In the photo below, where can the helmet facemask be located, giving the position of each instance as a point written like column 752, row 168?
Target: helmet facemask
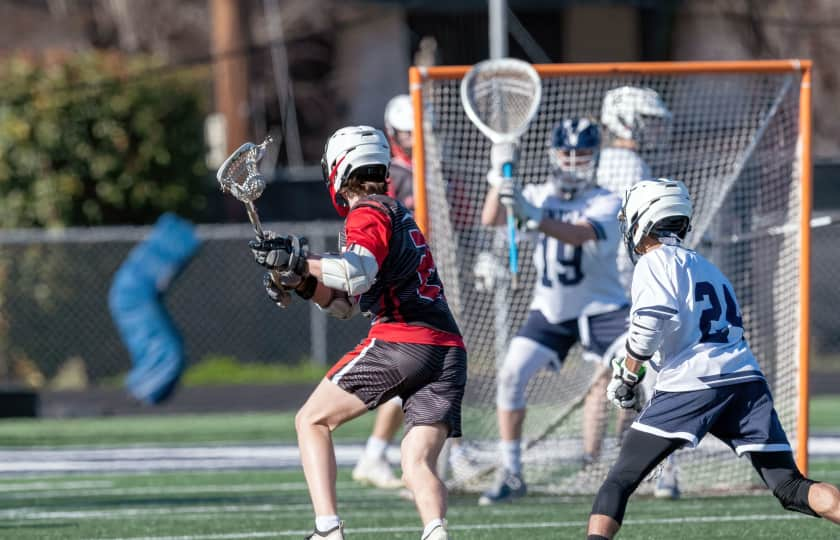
column 572, row 171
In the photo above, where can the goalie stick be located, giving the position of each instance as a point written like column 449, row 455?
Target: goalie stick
column 501, row 97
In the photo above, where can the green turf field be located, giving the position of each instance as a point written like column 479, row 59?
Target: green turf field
column 228, row 505
column 240, row 505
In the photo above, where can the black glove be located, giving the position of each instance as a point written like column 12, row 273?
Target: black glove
column 279, row 294
column 283, row 253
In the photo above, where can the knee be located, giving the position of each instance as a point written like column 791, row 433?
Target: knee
column 793, row 494
column 510, row 389
column 306, row 418
column 824, row 499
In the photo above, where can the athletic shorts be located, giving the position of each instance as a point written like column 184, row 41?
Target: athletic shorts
column 602, row 331
column 430, row 379
column 741, row 415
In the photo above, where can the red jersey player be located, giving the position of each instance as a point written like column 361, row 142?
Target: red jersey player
column 414, row 348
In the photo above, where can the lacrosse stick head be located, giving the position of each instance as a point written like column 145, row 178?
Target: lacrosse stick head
column 239, row 174
column 501, row 96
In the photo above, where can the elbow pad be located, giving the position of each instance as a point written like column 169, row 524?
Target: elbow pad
column 353, row 272
column 645, row 335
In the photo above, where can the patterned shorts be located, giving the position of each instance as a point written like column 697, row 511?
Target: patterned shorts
column 430, row 379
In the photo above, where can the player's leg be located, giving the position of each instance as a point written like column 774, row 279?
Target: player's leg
column 751, row 426
column 538, row 344
column 435, row 378
column 420, row 449
column 795, row 492
column 327, row 408
column 373, row 467
column 602, row 336
column 639, row 454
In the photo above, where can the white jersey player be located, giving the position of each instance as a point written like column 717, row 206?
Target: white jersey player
column 634, row 119
column 577, row 295
column 709, row 381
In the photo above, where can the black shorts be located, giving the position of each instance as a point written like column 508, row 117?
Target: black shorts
column 430, row 379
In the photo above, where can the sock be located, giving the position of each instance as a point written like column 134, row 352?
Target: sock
column 326, row 523
column 430, row 526
column 511, row 455
column 375, row 448
column 596, row 537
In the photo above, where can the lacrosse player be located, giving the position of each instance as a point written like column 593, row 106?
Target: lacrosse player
column 373, row 467
column 634, row 120
column 708, row 380
column 414, row 349
column 577, row 295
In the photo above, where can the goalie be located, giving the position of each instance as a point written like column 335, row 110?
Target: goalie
column 578, row 296
column 414, row 349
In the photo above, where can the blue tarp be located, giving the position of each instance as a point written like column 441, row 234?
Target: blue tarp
column 136, row 303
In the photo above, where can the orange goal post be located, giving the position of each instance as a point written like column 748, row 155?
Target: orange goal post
column 740, row 138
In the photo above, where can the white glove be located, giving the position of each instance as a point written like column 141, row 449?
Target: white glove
column 500, row 154
column 487, row 271
column 511, row 196
column 622, row 390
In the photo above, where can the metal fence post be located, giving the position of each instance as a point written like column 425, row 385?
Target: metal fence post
column 317, row 318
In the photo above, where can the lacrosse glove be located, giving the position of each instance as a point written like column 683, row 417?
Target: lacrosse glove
column 282, row 253
column 622, row 390
column 511, row 197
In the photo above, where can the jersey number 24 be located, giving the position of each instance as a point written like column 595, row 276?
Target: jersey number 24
column 705, row 290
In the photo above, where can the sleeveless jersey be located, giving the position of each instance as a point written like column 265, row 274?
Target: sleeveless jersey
column 577, row 280
column 704, row 344
column 406, row 302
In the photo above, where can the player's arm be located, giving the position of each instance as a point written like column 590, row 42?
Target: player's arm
column 492, row 213
column 575, row 234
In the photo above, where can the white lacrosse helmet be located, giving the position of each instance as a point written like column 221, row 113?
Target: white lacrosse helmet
column 630, row 112
column 399, row 114
column 362, row 149
column 659, row 207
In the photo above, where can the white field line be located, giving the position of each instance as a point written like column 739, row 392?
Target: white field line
column 144, row 459
column 168, row 490
column 477, row 527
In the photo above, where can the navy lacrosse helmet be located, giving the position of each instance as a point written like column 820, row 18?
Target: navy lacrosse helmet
column 575, row 145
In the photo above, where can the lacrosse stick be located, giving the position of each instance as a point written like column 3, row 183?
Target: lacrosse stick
column 240, row 177
column 501, row 97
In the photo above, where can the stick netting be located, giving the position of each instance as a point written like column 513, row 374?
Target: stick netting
column 734, row 143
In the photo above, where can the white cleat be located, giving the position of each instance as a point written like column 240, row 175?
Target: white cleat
column 377, row 473
column 438, row 533
column 336, row 533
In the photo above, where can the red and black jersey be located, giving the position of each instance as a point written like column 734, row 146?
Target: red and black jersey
column 406, row 303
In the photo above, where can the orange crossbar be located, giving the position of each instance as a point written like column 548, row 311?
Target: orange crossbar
column 417, row 75
column 677, row 68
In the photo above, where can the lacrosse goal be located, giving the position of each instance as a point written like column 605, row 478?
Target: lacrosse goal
column 740, row 140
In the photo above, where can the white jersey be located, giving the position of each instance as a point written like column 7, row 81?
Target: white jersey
column 577, row 280
column 618, row 170
column 703, row 337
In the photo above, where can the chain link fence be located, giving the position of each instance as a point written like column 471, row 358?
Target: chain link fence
column 54, row 302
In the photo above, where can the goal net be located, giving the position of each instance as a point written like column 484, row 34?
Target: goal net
column 736, row 141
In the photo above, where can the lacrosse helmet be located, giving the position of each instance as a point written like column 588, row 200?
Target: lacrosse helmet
column 399, row 125
column 351, row 150
column 661, row 208
column 573, row 155
column 639, row 114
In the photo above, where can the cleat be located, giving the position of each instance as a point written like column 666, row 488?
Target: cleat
column 667, row 484
column 377, row 473
column 336, row 533
column 507, row 487
column 438, row 533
